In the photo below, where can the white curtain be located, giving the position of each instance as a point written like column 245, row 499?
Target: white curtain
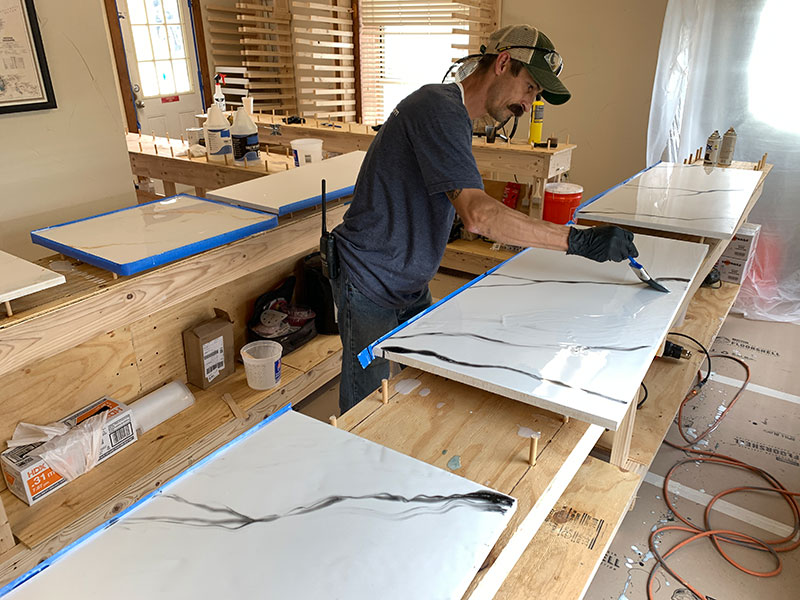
column 726, row 63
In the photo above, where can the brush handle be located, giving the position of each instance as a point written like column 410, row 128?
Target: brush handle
column 634, row 263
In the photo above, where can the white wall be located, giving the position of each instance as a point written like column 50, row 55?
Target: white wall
column 70, row 162
column 610, row 50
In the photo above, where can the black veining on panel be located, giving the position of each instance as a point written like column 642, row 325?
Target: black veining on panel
column 516, row 345
column 689, row 191
column 655, row 216
column 529, row 281
column 431, row 353
column 225, row 517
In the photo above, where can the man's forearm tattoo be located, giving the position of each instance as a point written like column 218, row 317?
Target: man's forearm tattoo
column 453, row 194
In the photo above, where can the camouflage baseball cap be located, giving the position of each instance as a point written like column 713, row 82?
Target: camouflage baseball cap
column 535, row 50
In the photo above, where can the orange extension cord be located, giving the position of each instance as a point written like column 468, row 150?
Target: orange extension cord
column 719, row 536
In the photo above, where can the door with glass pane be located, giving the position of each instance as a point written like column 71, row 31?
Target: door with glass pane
column 161, row 64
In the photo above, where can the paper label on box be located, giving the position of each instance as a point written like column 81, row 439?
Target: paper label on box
column 119, row 435
column 213, row 358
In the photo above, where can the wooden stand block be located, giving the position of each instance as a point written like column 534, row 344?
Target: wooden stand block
column 9, row 312
column 534, row 449
column 621, row 446
column 235, row 408
column 6, row 537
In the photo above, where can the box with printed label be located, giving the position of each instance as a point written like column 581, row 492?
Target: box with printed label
column 29, row 477
column 208, row 348
column 744, row 241
column 733, row 270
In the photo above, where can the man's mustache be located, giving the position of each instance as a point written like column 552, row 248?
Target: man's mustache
column 516, row 109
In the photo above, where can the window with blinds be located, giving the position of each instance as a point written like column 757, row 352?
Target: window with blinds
column 405, row 44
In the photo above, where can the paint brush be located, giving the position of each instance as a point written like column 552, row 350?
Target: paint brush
column 645, row 277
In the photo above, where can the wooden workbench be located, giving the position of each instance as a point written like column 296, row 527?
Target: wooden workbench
column 162, row 158
column 573, row 502
column 165, row 159
column 93, row 336
column 499, row 161
column 585, row 518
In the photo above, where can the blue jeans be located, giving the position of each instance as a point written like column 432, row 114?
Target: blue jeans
column 361, row 322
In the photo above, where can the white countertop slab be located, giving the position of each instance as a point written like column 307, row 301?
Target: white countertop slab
column 18, row 277
column 298, row 509
column 560, row 332
column 140, row 237
column 297, row 188
column 690, row 199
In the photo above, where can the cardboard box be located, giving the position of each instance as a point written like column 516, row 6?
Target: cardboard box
column 733, row 270
column 743, row 243
column 29, row 478
column 208, row 348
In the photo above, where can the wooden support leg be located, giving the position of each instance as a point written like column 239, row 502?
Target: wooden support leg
column 540, row 192
column 332, row 420
column 535, row 187
column 621, row 446
column 169, row 188
column 394, row 368
column 6, row 537
column 201, row 192
column 9, row 312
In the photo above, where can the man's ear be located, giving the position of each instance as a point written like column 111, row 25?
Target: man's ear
column 502, row 63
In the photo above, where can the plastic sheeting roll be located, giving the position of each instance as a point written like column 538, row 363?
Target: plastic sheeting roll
column 156, row 407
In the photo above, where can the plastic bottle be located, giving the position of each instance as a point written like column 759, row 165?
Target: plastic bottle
column 712, row 149
column 244, row 138
column 219, row 97
column 537, row 121
column 218, row 135
column 728, row 145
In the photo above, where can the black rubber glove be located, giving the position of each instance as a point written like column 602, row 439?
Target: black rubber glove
column 607, row 242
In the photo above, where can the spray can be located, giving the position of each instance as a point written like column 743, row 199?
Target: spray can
column 244, row 138
column 537, row 121
column 712, row 149
column 218, row 135
column 219, row 97
column 726, row 150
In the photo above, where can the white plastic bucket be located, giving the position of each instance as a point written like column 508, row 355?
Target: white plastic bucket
column 262, row 364
column 306, row 150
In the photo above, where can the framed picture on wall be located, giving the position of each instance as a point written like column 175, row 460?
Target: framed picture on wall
column 24, row 78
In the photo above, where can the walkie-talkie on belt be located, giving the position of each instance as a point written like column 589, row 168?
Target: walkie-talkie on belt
column 327, row 245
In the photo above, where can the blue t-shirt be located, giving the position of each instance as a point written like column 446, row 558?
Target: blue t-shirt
column 394, row 234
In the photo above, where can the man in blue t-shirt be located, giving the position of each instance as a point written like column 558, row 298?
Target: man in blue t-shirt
column 420, row 171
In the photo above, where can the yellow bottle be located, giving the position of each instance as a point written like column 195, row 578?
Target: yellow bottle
column 537, row 122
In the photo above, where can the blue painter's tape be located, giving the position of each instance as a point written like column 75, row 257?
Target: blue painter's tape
column 366, row 356
column 157, row 259
column 46, row 563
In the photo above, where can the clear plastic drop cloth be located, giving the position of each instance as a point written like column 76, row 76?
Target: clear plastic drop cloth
column 733, row 63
